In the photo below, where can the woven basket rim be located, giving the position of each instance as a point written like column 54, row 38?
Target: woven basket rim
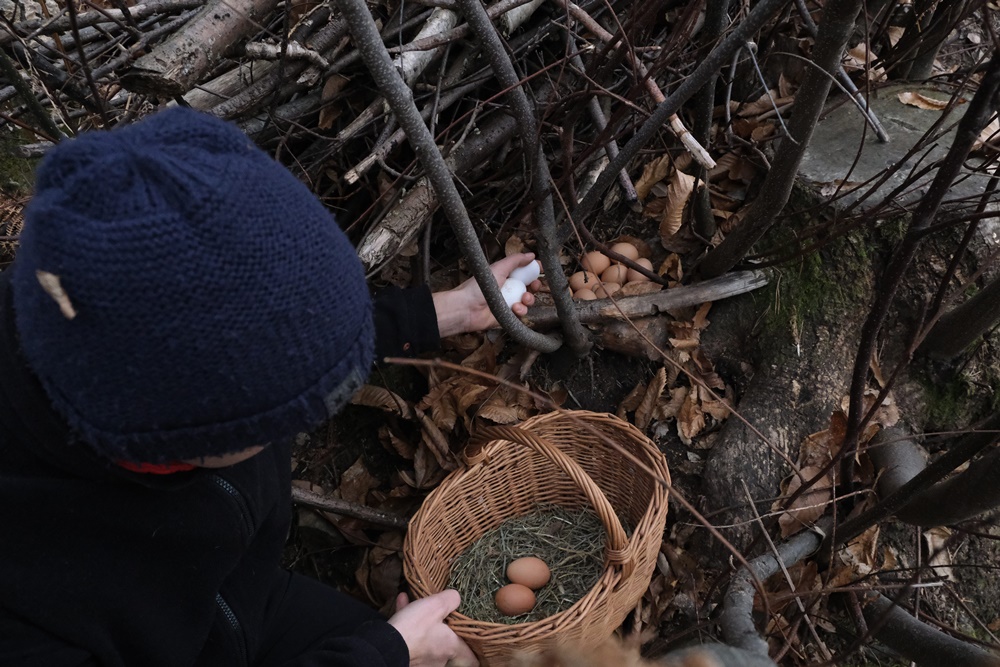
column 611, row 574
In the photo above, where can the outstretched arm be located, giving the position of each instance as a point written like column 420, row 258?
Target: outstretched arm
column 464, row 308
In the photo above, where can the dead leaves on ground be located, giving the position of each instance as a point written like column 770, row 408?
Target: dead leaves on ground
column 816, row 453
column 694, row 399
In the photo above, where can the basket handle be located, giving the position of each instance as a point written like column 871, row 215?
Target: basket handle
column 618, row 550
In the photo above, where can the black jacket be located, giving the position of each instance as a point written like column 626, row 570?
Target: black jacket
column 99, row 565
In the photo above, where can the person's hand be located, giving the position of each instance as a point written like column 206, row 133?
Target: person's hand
column 464, row 308
column 431, row 642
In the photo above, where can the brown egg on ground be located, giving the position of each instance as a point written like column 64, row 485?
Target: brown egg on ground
column 634, row 276
column 605, row 290
column 529, row 571
column 626, row 249
column 595, row 262
column 514, row 600
column 584, row 295
column 582, row 280
column 616, row 273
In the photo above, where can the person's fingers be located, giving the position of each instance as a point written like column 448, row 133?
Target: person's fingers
column 502, row 268
column 441, row 604
column 535, row 286
column 401, row 601
column 519, row 309
column 528, row 299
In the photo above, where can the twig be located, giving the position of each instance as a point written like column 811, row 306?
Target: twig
column 838, row 25
column 48, row 130
column 788, row 577
column 736, row 620
column 88, row 73
column 755, row 19
column 399, row 97
column 36, row 27
column 176, row 65
column 292, row 50
column 601, row 123
column 697, row 151
column 347, row 508
column 576, row 336
column 845, row 80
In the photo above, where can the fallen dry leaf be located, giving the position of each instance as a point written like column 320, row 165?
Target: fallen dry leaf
column 690, row 419
column 383, row 399
column 921, row 101
column 652, row 173
column 329, row 112
column 356, row 482
column 678, row 192
column 988, row 137
column 938, row 557
column 808, row 507
column 632, row 401
column 860, row 58
column 671, row 268
column 637, row 288
column 644, row 413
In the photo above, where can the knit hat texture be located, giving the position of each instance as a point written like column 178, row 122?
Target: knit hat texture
column 218, row 304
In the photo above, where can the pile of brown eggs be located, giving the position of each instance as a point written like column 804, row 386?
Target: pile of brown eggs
column 602, row 278
column 526, row 575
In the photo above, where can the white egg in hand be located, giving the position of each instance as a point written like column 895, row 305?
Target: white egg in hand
column 512, row 291
column 526, row 274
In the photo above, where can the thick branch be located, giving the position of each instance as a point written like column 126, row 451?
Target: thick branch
column 548, row 248
column 400, row 98
column 347, row 508
column 645, row 305
column 961, row 326
column 175, row 66
column 962, row 451
column 964, row 496
column 35, row 27
column 981, row 109
column 736, row 620
column 919, row 642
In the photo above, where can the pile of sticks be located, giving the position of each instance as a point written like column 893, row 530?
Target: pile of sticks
column 528, row 120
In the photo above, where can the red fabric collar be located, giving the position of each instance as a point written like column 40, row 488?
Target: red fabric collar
column 156, row 468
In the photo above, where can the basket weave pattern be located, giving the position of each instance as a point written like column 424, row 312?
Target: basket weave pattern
column 512, row 476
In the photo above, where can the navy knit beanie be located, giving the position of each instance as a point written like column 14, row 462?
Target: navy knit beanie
column 218, row 304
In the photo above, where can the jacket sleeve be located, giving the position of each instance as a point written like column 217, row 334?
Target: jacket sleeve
column 25, row 645
column 373, row 644
column 405, row 322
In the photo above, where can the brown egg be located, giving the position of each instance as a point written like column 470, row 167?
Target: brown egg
column 605, row 290
column 584, row 295
column 581, row 280
column 514, row 600
column 626, row 249
column 636, row 277
column 529, row 571
column 615, row 273
column 595, row 262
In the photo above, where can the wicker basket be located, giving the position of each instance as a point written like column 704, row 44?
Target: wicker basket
column 560, row 458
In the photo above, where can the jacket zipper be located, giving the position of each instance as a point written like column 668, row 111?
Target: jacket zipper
column 241, row 640
column 241, row 503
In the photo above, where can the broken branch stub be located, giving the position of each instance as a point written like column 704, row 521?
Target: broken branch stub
column 174, row 67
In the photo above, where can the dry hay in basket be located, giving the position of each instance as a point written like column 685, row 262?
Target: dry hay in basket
column 570, row 542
